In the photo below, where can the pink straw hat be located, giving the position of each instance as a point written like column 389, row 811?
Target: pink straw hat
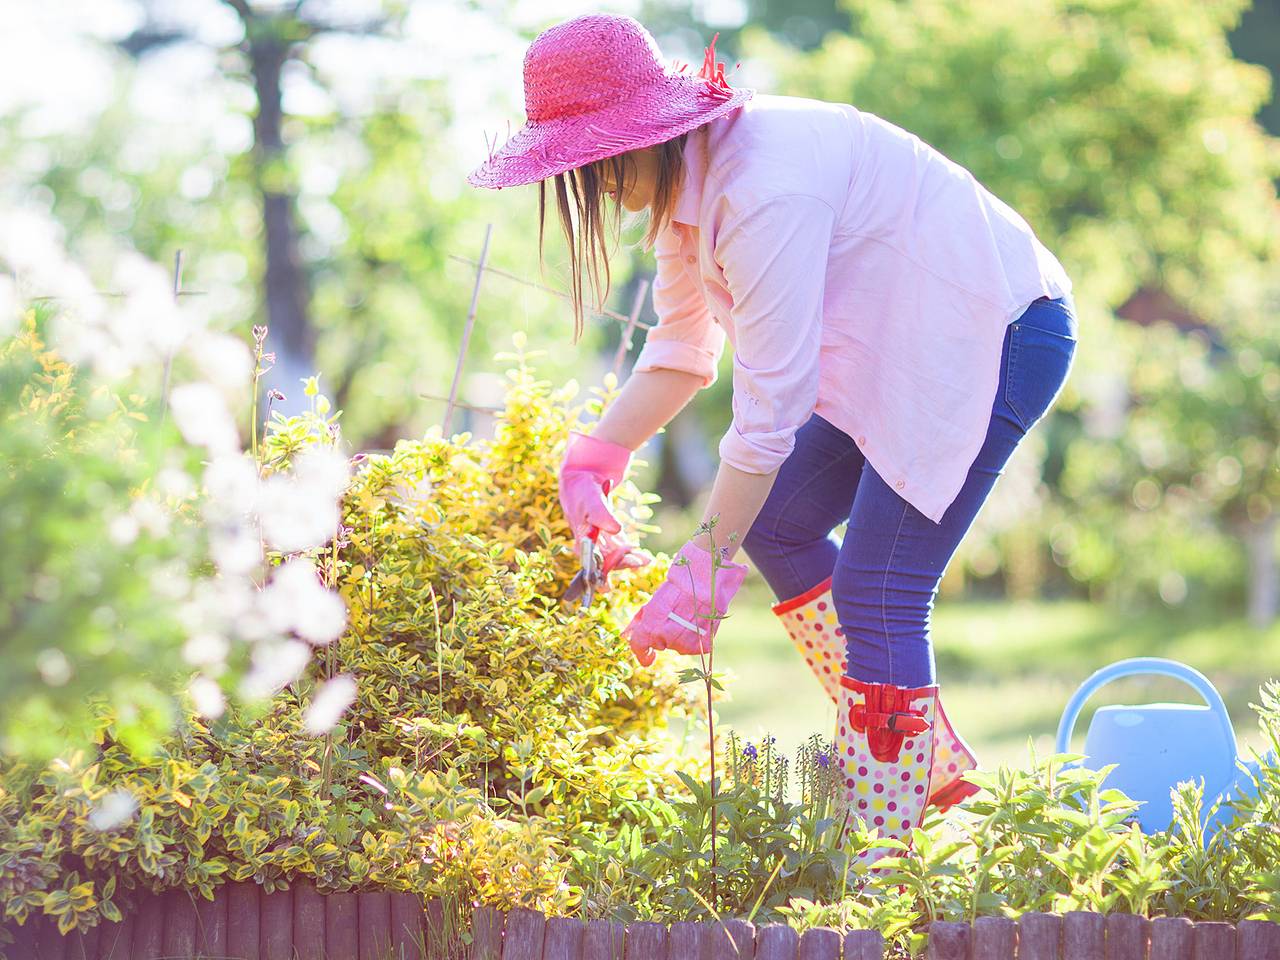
column 595, row 87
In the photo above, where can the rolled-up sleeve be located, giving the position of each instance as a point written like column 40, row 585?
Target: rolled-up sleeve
column 686, row 336
column 774, row 258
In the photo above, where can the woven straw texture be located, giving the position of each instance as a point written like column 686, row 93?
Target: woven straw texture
column 594, row 87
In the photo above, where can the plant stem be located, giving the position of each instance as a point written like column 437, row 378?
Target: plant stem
column 708, row 681
column 711, row 736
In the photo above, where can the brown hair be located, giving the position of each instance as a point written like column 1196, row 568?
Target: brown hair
column 580, row 199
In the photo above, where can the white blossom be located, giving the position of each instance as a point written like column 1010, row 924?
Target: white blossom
column 122, row 529
column 275, row 665
column 10, row 307
column 223, row 359
column 114, row 810
column 202, row 416
column 175, row 482
column 54, row 667
column 231, row 482
column 236, row 550
column 207, row 698
column 296, row 600
column 206, row 648
column 151, row 516
column 146, row 318
column 297, row 512
column 329, row 703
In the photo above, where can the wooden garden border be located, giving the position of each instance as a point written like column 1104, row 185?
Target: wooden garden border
column 244, row 923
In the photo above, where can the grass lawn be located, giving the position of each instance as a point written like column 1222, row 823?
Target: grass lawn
column 1005, row 670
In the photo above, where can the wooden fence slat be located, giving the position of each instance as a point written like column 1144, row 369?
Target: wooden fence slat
column 211, row 924
column 486, row 933
column 83, row 944
column 1038, row 936
column 180, row 925
column 645, row 941
column 275, row 937
column 342, row 926
column 864, row 945
column 443, row 931
column 50, row 944
column 684, row 940
column 1084, row 935
column 948, row 940
column 116, row 942
column 818, row 943
column 777, row 941
column 307, row 921
column 1257, row 940
column 524, row 936
column 993, row 938
column 24, row 938
column 408, row 927
column 24, row 941
column 242, row 921
column 1126, row 937
column 603, row 940
column 148, row 933
column 374, row 908
column 1213, row 941
column 1171, row 938
column 563, row 940
column 733, row 940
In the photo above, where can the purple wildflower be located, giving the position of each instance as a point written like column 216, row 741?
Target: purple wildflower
column 749, row 751
column 824, row 760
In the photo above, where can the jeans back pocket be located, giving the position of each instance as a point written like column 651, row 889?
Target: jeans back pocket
column 1042, row 344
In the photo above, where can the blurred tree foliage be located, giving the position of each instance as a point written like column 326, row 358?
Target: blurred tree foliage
column 378, row 206
column 1122, row 130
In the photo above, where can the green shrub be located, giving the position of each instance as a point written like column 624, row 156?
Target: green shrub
column 492, row 727
column 88, row 534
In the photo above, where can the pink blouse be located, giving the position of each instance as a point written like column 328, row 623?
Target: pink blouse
column 858, row 273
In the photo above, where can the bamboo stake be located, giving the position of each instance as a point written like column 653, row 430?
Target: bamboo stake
column 624, row 345
column 474, row 408
column 168, row 357
column 603, row 312
column 466, row 332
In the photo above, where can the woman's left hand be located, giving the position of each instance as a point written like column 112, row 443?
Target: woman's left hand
column 679, row 616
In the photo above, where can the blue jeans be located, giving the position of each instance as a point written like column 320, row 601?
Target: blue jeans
column 886, row 571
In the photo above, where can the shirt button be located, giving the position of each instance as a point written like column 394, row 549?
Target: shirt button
column 691, row 259
column 862, row 441
column 900, row 484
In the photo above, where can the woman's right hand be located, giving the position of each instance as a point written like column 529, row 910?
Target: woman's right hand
column 591, row 468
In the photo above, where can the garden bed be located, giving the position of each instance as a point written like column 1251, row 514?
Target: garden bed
column 243, row 922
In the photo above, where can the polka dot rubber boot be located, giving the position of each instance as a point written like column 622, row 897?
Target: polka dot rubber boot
column 810, row 621
column 885, row 750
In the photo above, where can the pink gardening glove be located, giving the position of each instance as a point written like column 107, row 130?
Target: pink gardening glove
column 686, row 593
column 591, row 469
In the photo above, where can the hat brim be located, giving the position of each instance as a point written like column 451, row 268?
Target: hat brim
column 677, row 104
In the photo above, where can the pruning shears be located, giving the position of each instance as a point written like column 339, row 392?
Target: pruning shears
column 591, row 573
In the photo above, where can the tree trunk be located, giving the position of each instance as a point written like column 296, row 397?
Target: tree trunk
column 292, row 337
column 1264, row 582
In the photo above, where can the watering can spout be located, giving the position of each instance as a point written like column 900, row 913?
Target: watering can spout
column 1155, row 746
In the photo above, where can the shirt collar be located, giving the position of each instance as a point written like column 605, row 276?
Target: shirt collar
column 689, row 202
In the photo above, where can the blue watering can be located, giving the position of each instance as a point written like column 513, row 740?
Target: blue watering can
column 1156, row 745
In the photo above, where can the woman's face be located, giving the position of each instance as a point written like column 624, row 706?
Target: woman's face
column 641, row 178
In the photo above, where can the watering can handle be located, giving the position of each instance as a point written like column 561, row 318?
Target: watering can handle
column 1135, row 666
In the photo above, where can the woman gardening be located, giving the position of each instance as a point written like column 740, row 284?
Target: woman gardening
column 896, row 331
